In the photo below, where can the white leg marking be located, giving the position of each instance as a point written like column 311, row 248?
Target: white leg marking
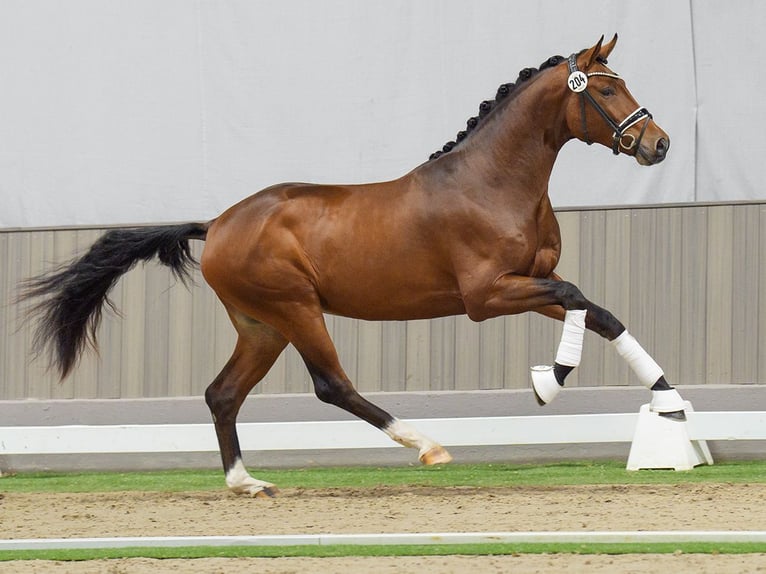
column 429, row 451
column 240, row 481
column 647, row 370
column 406, row 435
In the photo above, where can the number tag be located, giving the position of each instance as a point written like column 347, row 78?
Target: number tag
column 577, row 81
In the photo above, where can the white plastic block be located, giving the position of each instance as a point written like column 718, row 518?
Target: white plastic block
column 663, row 443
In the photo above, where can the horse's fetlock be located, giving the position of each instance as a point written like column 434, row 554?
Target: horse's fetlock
column 661, row 385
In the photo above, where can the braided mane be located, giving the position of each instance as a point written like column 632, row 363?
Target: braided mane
column 504, row 92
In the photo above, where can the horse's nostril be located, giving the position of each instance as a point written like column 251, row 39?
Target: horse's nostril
column 662, row 146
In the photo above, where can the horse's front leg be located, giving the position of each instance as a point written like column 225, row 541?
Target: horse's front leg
column 563, row 300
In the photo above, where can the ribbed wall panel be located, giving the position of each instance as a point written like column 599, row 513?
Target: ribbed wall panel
column 688, row 281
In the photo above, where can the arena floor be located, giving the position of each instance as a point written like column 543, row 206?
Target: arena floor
column 394, row 509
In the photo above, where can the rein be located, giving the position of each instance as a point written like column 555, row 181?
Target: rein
column 578, row 83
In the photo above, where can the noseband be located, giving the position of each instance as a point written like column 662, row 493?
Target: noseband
column 578, row 83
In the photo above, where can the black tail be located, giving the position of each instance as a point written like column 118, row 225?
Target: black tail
column 72, row 296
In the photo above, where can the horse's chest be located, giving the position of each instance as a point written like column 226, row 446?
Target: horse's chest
column 531, row 250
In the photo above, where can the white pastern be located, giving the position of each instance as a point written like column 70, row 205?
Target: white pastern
column 239, row 480
column 429, row 451
column 408, row 436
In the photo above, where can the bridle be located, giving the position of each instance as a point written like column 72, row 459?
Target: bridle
column 578, row 83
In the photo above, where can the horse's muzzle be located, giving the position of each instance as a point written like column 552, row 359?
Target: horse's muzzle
column 661, row 149
column 653, row 153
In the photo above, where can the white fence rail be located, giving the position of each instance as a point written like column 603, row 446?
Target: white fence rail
column 320, row 435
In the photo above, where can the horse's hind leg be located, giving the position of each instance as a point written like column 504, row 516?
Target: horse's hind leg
column 258, row 346
column 310, row 337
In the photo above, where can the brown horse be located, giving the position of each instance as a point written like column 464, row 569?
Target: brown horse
column 471, row 231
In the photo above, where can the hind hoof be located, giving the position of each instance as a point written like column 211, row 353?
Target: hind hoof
column 267, row 492
column 436, row 455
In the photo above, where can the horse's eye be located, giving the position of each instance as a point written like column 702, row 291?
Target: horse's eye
column 607, row 91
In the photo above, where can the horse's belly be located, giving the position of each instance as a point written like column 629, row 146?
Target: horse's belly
column 389, row 301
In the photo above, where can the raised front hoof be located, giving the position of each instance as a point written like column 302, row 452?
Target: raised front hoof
column 435, row 455
column 668, row 403
column 674, row 416
column 544, row 384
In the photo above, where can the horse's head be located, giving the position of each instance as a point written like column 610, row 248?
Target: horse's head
column 601, row 109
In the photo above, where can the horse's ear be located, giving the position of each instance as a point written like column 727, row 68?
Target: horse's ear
column 607, row 49
column 592, row 53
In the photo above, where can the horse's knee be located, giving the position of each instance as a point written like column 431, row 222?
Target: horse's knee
column 598, row 319
column 570, row 296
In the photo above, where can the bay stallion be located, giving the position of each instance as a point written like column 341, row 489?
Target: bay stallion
column 470, row 231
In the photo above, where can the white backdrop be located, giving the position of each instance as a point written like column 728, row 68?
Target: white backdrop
column 152, row 111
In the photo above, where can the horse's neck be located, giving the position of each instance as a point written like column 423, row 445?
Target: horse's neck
column 514, row 152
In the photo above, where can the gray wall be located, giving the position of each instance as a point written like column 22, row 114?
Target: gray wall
column 119, row 112
column 689, row 281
